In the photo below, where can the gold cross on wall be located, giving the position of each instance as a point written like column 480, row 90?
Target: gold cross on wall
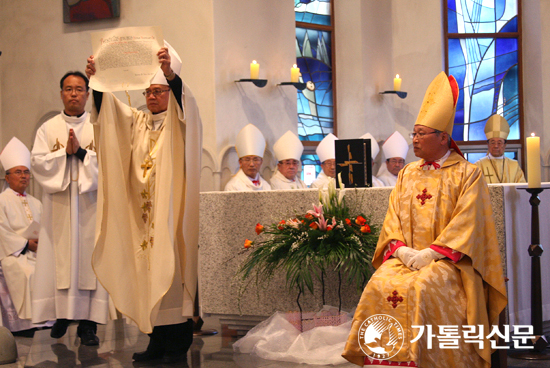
column 349, row 164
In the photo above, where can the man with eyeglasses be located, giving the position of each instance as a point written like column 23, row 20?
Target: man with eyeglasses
column 148, row 208
column 250, row 146
column 437, row 257
column 288, row 151
column 64, row 162
column 495, row 166
column 327, row 155
column 19, row 220
column 395, row 150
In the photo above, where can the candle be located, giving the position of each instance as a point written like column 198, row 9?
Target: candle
column 533, row 161
column 294, row 74
column 254, row 70
column 397, row 83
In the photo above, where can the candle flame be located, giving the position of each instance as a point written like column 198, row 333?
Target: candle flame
column 532, row 134
column 254, row 62
column 295, row 66
column 397, row 76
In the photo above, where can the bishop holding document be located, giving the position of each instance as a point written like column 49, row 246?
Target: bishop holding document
column 148, row 203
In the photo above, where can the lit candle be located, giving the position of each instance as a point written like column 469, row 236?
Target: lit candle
column 533, row 161
column 294, row 74
column 397, row 83
column 254, row 70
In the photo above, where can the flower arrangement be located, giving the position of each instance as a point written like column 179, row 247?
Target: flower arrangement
column 331, row 236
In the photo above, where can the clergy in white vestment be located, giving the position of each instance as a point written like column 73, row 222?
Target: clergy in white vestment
column 64, row 162
column 395, row 150
column 148, row 207
column 288, row 150
column 19, row 224
column 250, row 146
column 374, row 150
column 327, row 155
column 495, row 166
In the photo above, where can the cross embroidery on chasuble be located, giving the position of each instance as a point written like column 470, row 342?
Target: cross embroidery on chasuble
column 147, row 195
column 424, row 196
column 394, row 298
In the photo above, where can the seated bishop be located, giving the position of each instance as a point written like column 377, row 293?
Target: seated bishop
column 250, row 147
column 495, row 166
column 395, row 150
column 437, row 258
column 19, row 224
column 288, row 150
column 327, row 155
column 374, row 150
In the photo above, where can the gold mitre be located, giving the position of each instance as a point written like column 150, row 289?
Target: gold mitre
column 439, row 105
column 497, row 127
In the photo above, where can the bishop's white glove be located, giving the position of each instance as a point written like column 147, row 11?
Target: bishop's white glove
column 423, row 258
column 405, row 254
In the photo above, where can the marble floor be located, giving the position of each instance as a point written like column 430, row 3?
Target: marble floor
column 120, row 341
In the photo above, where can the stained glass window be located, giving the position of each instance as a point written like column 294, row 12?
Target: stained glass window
column 485, row 64
column 314, row 46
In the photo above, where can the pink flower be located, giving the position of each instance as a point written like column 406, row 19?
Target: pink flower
column 317, row 211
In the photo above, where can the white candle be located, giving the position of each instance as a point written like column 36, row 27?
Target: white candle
column 254, row 70
column 533, row 161
column 397, row 83
column 294, row 74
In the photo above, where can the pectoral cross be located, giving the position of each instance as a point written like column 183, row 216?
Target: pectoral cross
column 488, row 175
column 349, row 164
column 57, row 146
column 146, row 166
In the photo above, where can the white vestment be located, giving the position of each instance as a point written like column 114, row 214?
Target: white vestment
column 242, row 183
column 17, row 213
column 279, row 181
column 146, row 251
column 65, row 285
column 322, row 181
column 387, row 179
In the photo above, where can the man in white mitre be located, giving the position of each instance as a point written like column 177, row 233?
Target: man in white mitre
column 64, row 162
column 288, row 151
column 250, row 146
column 327, row 155
column 374, row 150
column 395, row 150
column 19, row 224
column 148, row 208
column 495, row 166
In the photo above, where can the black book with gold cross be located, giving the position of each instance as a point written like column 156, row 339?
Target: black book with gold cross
column 353, row 161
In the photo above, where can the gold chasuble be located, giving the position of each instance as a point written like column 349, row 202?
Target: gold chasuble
column 502, row 170
column 147, row 215
column 448, row 207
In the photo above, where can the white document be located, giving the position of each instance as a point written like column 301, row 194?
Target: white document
column 31, row 232
column 125, row 58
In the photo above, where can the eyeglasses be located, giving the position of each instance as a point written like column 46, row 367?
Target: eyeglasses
column 255, row 160
column 156, row 92
column 19, row 172
column 290, row 163
column 77, row 90
column 420, row 135
column 497, row 143
column 396, row 161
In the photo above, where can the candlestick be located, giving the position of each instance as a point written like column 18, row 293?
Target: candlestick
column 397, row 83
column 254, row 70
column 533, row 161
column 294, row 74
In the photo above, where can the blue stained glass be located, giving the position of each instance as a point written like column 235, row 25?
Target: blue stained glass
column 312, row 11
column 486, row 70
column 315, row 106
column 478, row 16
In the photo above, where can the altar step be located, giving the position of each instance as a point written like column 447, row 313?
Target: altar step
column 237, row 326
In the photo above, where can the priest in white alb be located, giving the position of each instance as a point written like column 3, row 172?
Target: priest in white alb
column 374, row 150
column 64, row 163
column 288, row 151
column 327, row 156
column 496, row 167
column 19, row 224
column 395, row 150
column 148, row 207
column 250, row 146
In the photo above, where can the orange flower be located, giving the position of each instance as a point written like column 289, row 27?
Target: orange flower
column 309, row 216
column 360, row 220
column 348, row 222
column 281, row 227
column 259, row 229
column 314, row 226
column 365, row 229
column 248, row 243
column 329, row 228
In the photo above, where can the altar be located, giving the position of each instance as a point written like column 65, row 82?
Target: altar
column 228, row 218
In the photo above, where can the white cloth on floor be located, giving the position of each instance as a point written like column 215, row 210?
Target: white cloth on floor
column 277, row 339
